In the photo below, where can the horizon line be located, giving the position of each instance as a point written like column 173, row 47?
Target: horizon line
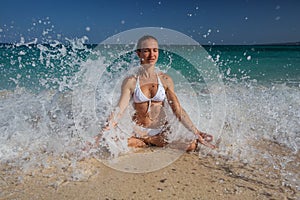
column 259, row 44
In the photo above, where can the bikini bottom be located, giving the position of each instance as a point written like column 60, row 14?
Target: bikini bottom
column 147, row 132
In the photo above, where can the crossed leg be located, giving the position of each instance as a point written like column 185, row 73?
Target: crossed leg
column 160, row 141
column 136, row 142
column 140, row 142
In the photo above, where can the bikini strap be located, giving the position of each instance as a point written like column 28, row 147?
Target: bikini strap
column 137, row 85
column 149, row 106
column 159, row 81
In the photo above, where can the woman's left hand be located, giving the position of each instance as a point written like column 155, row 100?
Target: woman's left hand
column 205, row 139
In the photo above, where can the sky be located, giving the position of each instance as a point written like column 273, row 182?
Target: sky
column 206, row 21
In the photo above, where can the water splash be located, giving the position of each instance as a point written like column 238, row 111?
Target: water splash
column 38, row 82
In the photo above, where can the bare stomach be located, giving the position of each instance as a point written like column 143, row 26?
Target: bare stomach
column 154, row 118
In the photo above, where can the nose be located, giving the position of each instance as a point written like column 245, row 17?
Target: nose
column 152, row 52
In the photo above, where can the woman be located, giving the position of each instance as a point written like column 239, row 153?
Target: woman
column 149, row 91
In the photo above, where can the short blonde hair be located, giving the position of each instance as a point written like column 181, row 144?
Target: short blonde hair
column 142, row 39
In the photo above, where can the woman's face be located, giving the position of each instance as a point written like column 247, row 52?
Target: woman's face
column 148, row 52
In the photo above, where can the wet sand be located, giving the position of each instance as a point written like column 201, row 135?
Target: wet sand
column 189, row 177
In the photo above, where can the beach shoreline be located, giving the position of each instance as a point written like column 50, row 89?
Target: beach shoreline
column 189, row 177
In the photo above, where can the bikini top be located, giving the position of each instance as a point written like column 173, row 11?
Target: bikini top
column 139, row 97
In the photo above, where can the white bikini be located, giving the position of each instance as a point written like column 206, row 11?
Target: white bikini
column 139, row 97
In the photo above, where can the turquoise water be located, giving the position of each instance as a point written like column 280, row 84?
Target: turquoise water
column 263, row 63
column 39, row 114
column 43, row 66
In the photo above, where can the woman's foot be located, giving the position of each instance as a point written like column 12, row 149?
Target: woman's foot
column 136, row 142
column 193, row 146
column 204, row 140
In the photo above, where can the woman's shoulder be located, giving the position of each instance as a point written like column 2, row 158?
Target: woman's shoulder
column 130, row 80
column 131, row 77
column 164, row 77
column 166, row 80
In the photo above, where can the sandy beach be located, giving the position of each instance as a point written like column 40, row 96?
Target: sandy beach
column 189, row 177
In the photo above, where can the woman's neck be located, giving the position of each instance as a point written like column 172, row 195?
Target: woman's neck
column 147, row 70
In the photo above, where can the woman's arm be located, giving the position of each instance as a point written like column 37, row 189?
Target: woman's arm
column 181, row 114
column 127, row 89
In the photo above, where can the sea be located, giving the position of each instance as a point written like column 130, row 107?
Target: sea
column 56, row 96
